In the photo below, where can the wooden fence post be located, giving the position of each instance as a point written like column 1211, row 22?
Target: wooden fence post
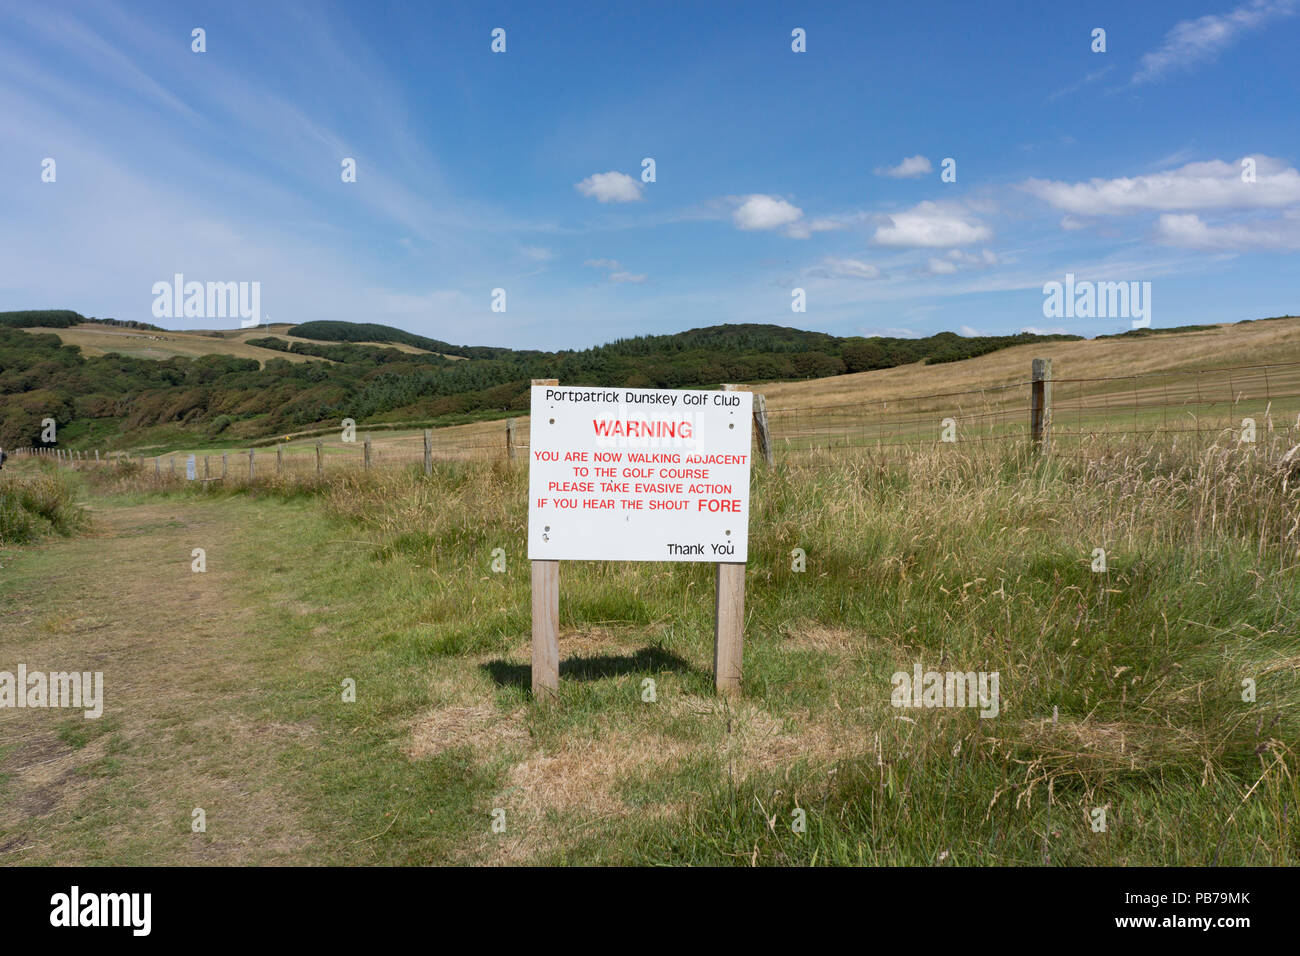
column 97, row 456
column 729, row 618
column 157, row 472
column 223, row 465
column 546, row 617
column 279, row 458
column 510, row 439
column 428, row 451
column 251, row 471
column 1040, row 404
column 320, row 459
column 367, row 451
column 764, row 435
column 173, row 465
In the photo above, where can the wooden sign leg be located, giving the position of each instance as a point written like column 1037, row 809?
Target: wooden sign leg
column 729, row 628
column 546, row 629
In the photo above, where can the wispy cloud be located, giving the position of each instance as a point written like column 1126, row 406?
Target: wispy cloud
column 1193, row 42
column 1215, row 184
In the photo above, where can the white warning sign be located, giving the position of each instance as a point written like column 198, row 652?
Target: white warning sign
column 638, row 474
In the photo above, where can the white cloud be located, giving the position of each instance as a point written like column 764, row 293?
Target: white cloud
column 803, row 230
column 610, row 187
column 928, row 225
column 831, row 268
column 537, row 253
column 1054, row 330
column 1195, row 41
column 958, row 259
column 909, row 168
column 1189, row 230
column 765, row 212
column 1071, row 224
column 970, row 333
column 1209, row 185
column 616, row 271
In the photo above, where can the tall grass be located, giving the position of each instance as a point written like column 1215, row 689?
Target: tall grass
column 39, row 501
column 1124, row 690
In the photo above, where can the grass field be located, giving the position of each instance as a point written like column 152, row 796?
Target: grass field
column 141, row 343
column 1119, row 691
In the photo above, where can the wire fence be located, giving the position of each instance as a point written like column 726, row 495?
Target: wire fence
column 1204, row 403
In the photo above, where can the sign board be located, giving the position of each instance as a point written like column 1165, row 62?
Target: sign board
column 638, row 474
column 191, row 471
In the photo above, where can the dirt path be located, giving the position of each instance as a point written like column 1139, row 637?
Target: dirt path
column 179, row 729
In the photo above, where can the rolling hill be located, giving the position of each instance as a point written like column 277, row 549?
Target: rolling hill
column 113, row 385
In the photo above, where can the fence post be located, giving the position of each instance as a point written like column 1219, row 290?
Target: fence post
column 279, row 458
column 97, row 456
column 320, row 463
column 367, row 448
column 729, row 618
column 764, row 435
column 546, row 617
column 251, row 471
column 510, row 439
column 173, row 465
column 223, row 466
column 428, row 451
column 157, row 472
column 1040, row 404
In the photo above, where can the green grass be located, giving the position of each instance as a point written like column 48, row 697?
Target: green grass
column 36, row 501
column 1120, row 690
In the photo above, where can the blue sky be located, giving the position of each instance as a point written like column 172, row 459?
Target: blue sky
column 775, row 170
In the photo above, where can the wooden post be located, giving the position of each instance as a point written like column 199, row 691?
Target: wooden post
column 223, row 465
column 157, row 473
column 546, row 617
column 729, row 618
column 367, row 450
column 320, row 460
column 428, row 451
column 207, row 472
column 546, row 629
column 1040, row 404
column 510, row 438
column 251, row 471
column 279, row 458
column 173, row 465
column 764, row 436
column 729, row 628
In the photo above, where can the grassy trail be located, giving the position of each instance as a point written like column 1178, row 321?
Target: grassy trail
column 184, row 722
